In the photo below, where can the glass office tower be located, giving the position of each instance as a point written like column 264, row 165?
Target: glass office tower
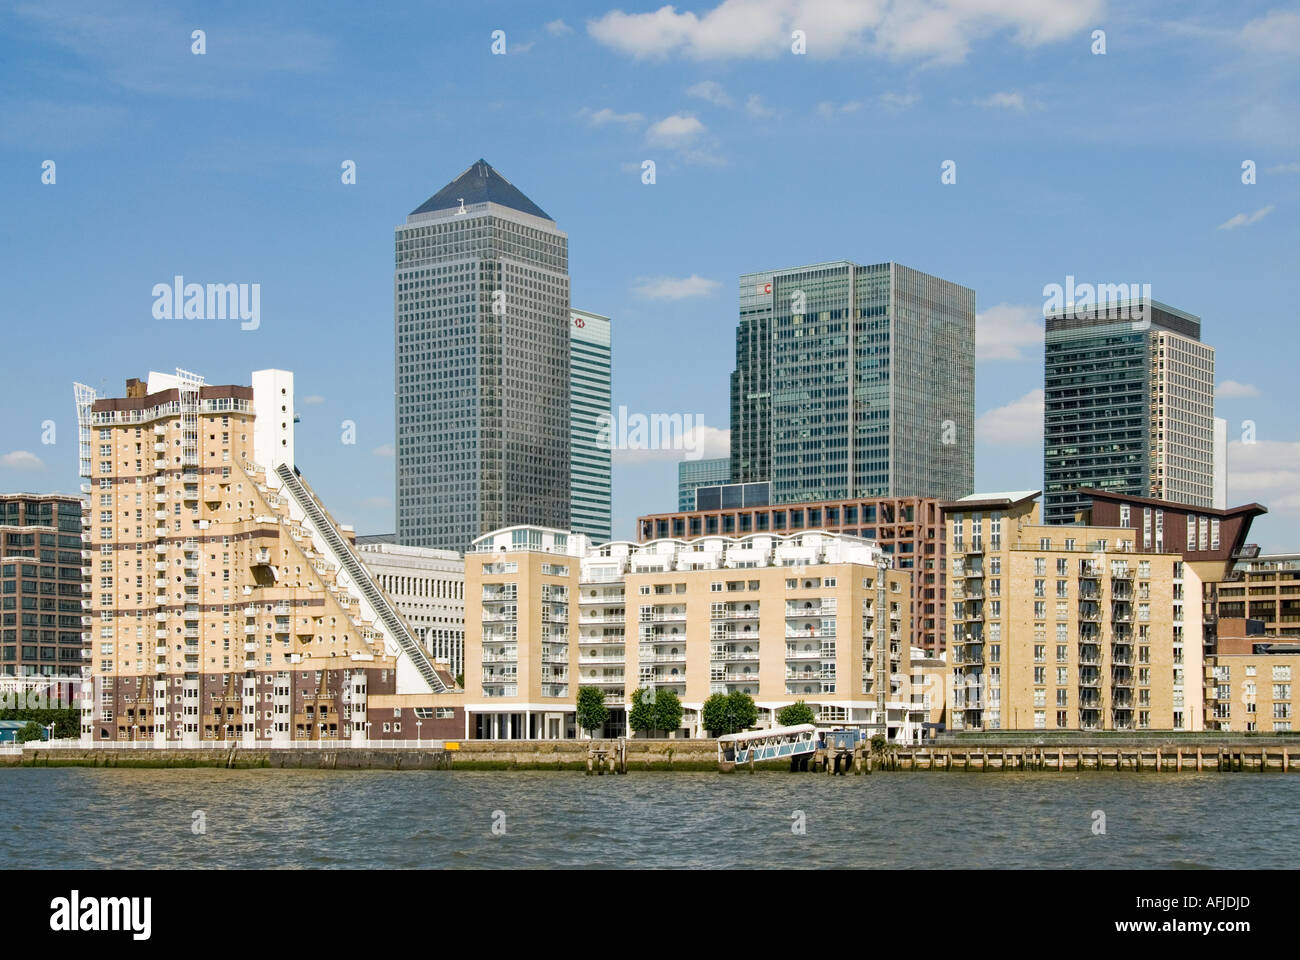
column 1128, row 407
column 481, row 307
column 692, row 474
column 590, row 401
column 854, row 381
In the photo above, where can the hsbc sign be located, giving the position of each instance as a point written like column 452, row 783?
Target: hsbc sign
column 765, row 289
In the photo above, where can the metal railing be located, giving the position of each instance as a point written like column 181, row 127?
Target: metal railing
column 348, row 560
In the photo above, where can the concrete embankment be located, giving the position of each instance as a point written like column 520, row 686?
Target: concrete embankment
column 1229, row 755
column 664, row 755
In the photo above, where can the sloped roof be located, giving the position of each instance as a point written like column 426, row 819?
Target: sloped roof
column 480, row 183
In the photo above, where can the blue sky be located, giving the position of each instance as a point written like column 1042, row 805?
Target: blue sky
column 225, row 167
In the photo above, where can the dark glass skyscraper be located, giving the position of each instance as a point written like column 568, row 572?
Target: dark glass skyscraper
column 1128, row 407
column 854, row 381
column 481, row 307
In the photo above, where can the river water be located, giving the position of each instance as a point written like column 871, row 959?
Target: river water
column 139, row 819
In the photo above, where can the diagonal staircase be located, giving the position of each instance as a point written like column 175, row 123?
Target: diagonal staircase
column 343, row 555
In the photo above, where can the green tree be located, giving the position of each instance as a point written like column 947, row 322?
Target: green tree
column 33, row 731
column 592, row 712
column 641, row 717
column 667, row 711
column 715, row 715
column 795, row 714
column 67, row 723
column 744, row 713
column 725, row 713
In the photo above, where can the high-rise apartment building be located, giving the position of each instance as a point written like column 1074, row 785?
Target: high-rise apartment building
column 1128, row 406
column 854, row 381
column 41, row 601
column 427, row 587
column 1073, row 627
column 481, row 310
column 693, row 474
column 591, row 410
column 225, row 602
column 813, row 617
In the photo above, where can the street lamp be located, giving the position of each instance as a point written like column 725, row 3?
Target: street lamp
column 418, row 738
column 367, row 733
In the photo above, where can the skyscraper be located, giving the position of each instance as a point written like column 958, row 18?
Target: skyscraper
column 692, row 474
column 591, row 405
column 854, row 381
column 1128, row 406
column 481, row 311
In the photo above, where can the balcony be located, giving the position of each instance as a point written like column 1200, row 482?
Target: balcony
column 664, row 658
column 732, row 614
column 794, row 653
column 160, row 464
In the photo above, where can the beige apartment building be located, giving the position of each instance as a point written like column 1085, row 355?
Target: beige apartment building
column 225, row 603
column 1067, row 627
column 1264, row 588
column 1248, row 680
column 815, row 617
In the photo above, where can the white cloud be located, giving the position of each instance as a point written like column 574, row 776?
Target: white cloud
column 756, row 108
column 1275, row 32
column 1009, row 332
column 312, row 400
column 899, row 101
column 377, row 503
column 1266, row 472
column 1232, row 390
column 675, row 288
column 711, row 91
column 676, row 131
column 939, row 30
column 1018, row 424
column 558, row 28
column 22, row 460
column 387, row 450
column 1242, row 220
column 1009, row 100
column 826, row 109
column 599, row 118
column 1284, row 168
